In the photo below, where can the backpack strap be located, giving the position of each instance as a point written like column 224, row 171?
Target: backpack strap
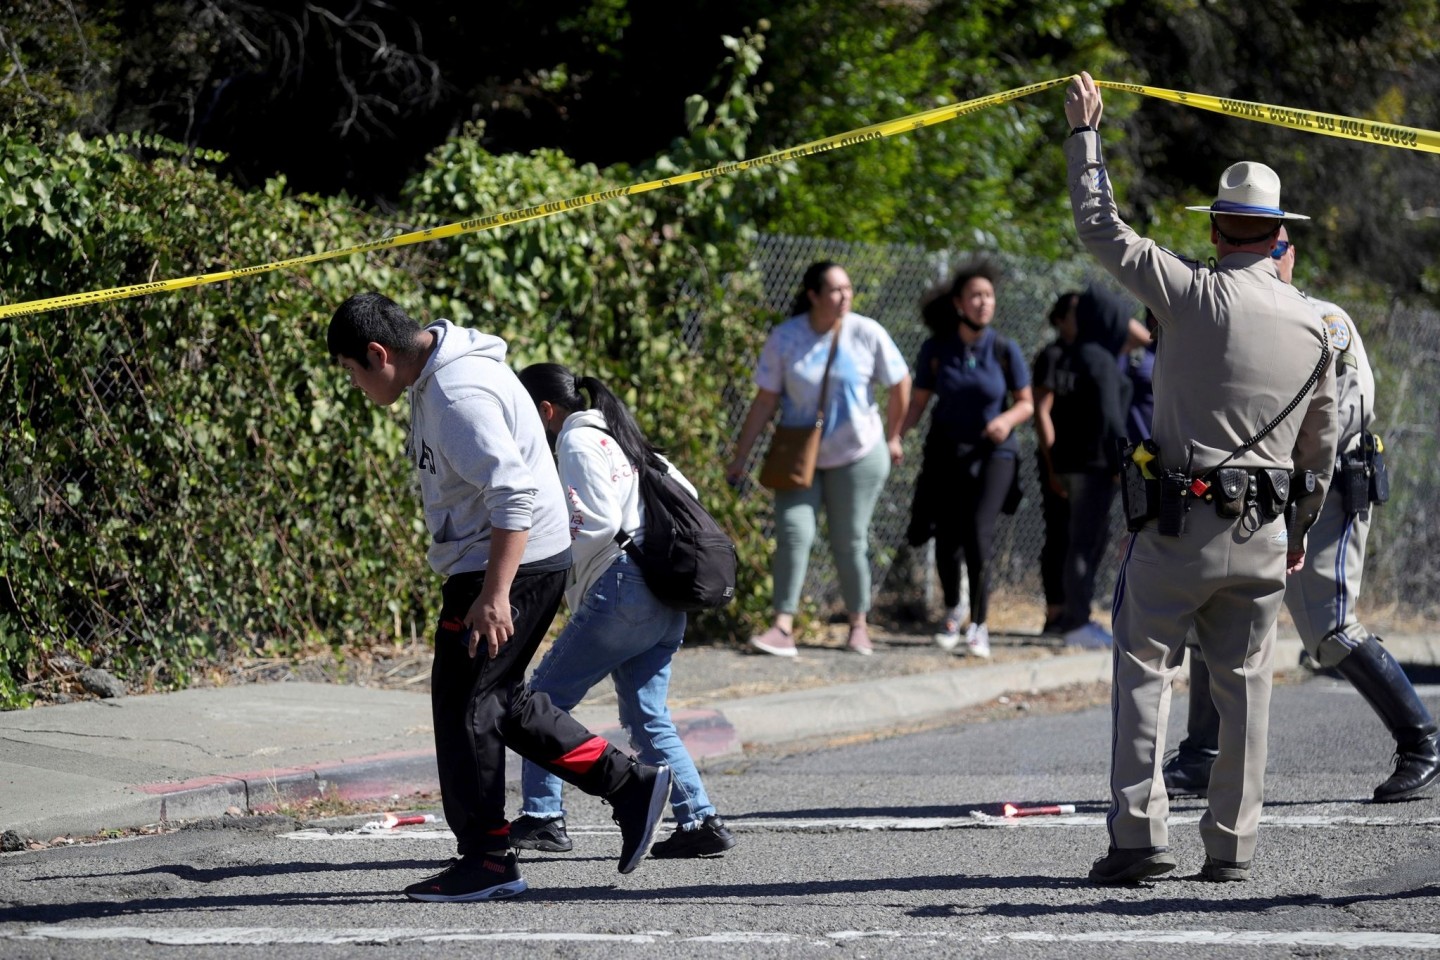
column 627, row 540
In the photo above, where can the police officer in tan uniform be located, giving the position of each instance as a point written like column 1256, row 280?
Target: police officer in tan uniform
column 1321, row 597
column 1244, row 397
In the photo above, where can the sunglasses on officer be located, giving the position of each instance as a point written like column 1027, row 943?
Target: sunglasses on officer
column 1282, row 247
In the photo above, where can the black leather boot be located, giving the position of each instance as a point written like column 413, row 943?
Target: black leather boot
column 1374, row 673
column 1187, row 770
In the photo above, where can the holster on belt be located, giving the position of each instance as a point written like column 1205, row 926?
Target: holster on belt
column 1351, row 482
column 1274, row 492
column 1174, row 503
column 1302, row 484
column 1374, row 449
column 1139, row 489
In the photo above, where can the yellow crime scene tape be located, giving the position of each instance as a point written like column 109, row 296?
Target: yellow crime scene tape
column 1308, row 121
column 1367, row 131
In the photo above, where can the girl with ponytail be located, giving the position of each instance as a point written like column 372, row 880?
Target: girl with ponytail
column 617, row 627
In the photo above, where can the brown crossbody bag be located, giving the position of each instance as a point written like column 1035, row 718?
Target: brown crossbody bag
column 790, row 461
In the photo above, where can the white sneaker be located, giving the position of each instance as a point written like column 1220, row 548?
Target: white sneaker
column 948, row 638
column 977, row 640
column 1089, row 636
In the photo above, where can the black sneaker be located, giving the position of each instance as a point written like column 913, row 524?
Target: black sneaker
column 473, row 877
column 1224, row 871
column 709, row 839
column 637, row 804
column 533, row 833
column 1131, row 866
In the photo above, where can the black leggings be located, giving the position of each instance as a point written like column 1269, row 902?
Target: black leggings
column 965, row 525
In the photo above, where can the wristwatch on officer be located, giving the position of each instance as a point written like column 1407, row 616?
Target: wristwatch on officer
column 1081, row 129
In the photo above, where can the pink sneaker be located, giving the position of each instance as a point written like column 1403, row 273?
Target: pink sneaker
column 775, row 641
column 860, row 640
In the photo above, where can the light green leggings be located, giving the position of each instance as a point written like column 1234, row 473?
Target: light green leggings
column 849, row 494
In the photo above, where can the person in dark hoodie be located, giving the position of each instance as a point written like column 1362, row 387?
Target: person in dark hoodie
column 1092, row 399
column 1053, row 503
column 500, row 536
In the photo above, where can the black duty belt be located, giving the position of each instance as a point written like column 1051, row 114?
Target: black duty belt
column 1234, row 489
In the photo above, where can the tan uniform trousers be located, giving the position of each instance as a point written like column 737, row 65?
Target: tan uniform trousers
column 1321, row 597
column 1225, row 578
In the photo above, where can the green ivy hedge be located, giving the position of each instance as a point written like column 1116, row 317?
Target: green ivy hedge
column 186, row 477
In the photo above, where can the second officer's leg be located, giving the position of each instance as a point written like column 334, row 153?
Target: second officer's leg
column 1321, row 596
column 1321, row 599
column 1188, row 770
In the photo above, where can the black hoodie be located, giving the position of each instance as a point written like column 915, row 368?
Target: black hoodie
column 1091, row 395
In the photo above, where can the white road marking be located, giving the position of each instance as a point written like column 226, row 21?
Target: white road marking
column 321, row 834
column 871, row 824
column 258, row 936
column 548, row 935
column 745, row 936
column 261, row 936
column 1349, row 940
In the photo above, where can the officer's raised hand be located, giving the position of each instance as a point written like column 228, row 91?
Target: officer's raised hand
column 1083, row 103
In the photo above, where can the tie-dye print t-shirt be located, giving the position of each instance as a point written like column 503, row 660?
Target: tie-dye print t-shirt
column 793, row 363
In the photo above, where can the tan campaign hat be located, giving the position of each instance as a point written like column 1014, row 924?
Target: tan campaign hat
column 1249, row 189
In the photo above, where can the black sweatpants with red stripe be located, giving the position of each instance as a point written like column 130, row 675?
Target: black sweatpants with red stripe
column 481, row 706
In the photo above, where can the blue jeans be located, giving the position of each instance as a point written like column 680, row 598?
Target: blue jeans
column 622, row 631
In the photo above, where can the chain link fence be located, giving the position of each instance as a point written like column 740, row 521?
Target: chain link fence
column 1402, row 585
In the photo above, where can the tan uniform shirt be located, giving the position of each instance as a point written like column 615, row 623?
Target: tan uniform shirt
column 1354, row 380
column 1322, row 597
column 1236, row 344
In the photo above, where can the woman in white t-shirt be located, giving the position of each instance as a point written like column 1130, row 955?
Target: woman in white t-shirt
column 857, row 446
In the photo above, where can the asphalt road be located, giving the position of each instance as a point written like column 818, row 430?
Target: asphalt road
column 886, row 847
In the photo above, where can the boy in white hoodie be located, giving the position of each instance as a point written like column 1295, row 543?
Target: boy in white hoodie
column 499, row 535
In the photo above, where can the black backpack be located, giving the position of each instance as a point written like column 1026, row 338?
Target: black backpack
column 688, row 562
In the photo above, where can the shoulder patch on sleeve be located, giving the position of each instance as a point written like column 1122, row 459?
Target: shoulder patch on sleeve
column 1337, row 326
column 1179, row 256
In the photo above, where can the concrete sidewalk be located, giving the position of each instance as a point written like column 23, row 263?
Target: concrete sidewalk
column 78, row 769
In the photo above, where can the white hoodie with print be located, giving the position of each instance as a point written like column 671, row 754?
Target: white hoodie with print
column 603, row 494
column 480, row 449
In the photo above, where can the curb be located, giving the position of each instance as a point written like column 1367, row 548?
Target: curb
column 849, row 707
column 365, row 778
column 705, row 733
